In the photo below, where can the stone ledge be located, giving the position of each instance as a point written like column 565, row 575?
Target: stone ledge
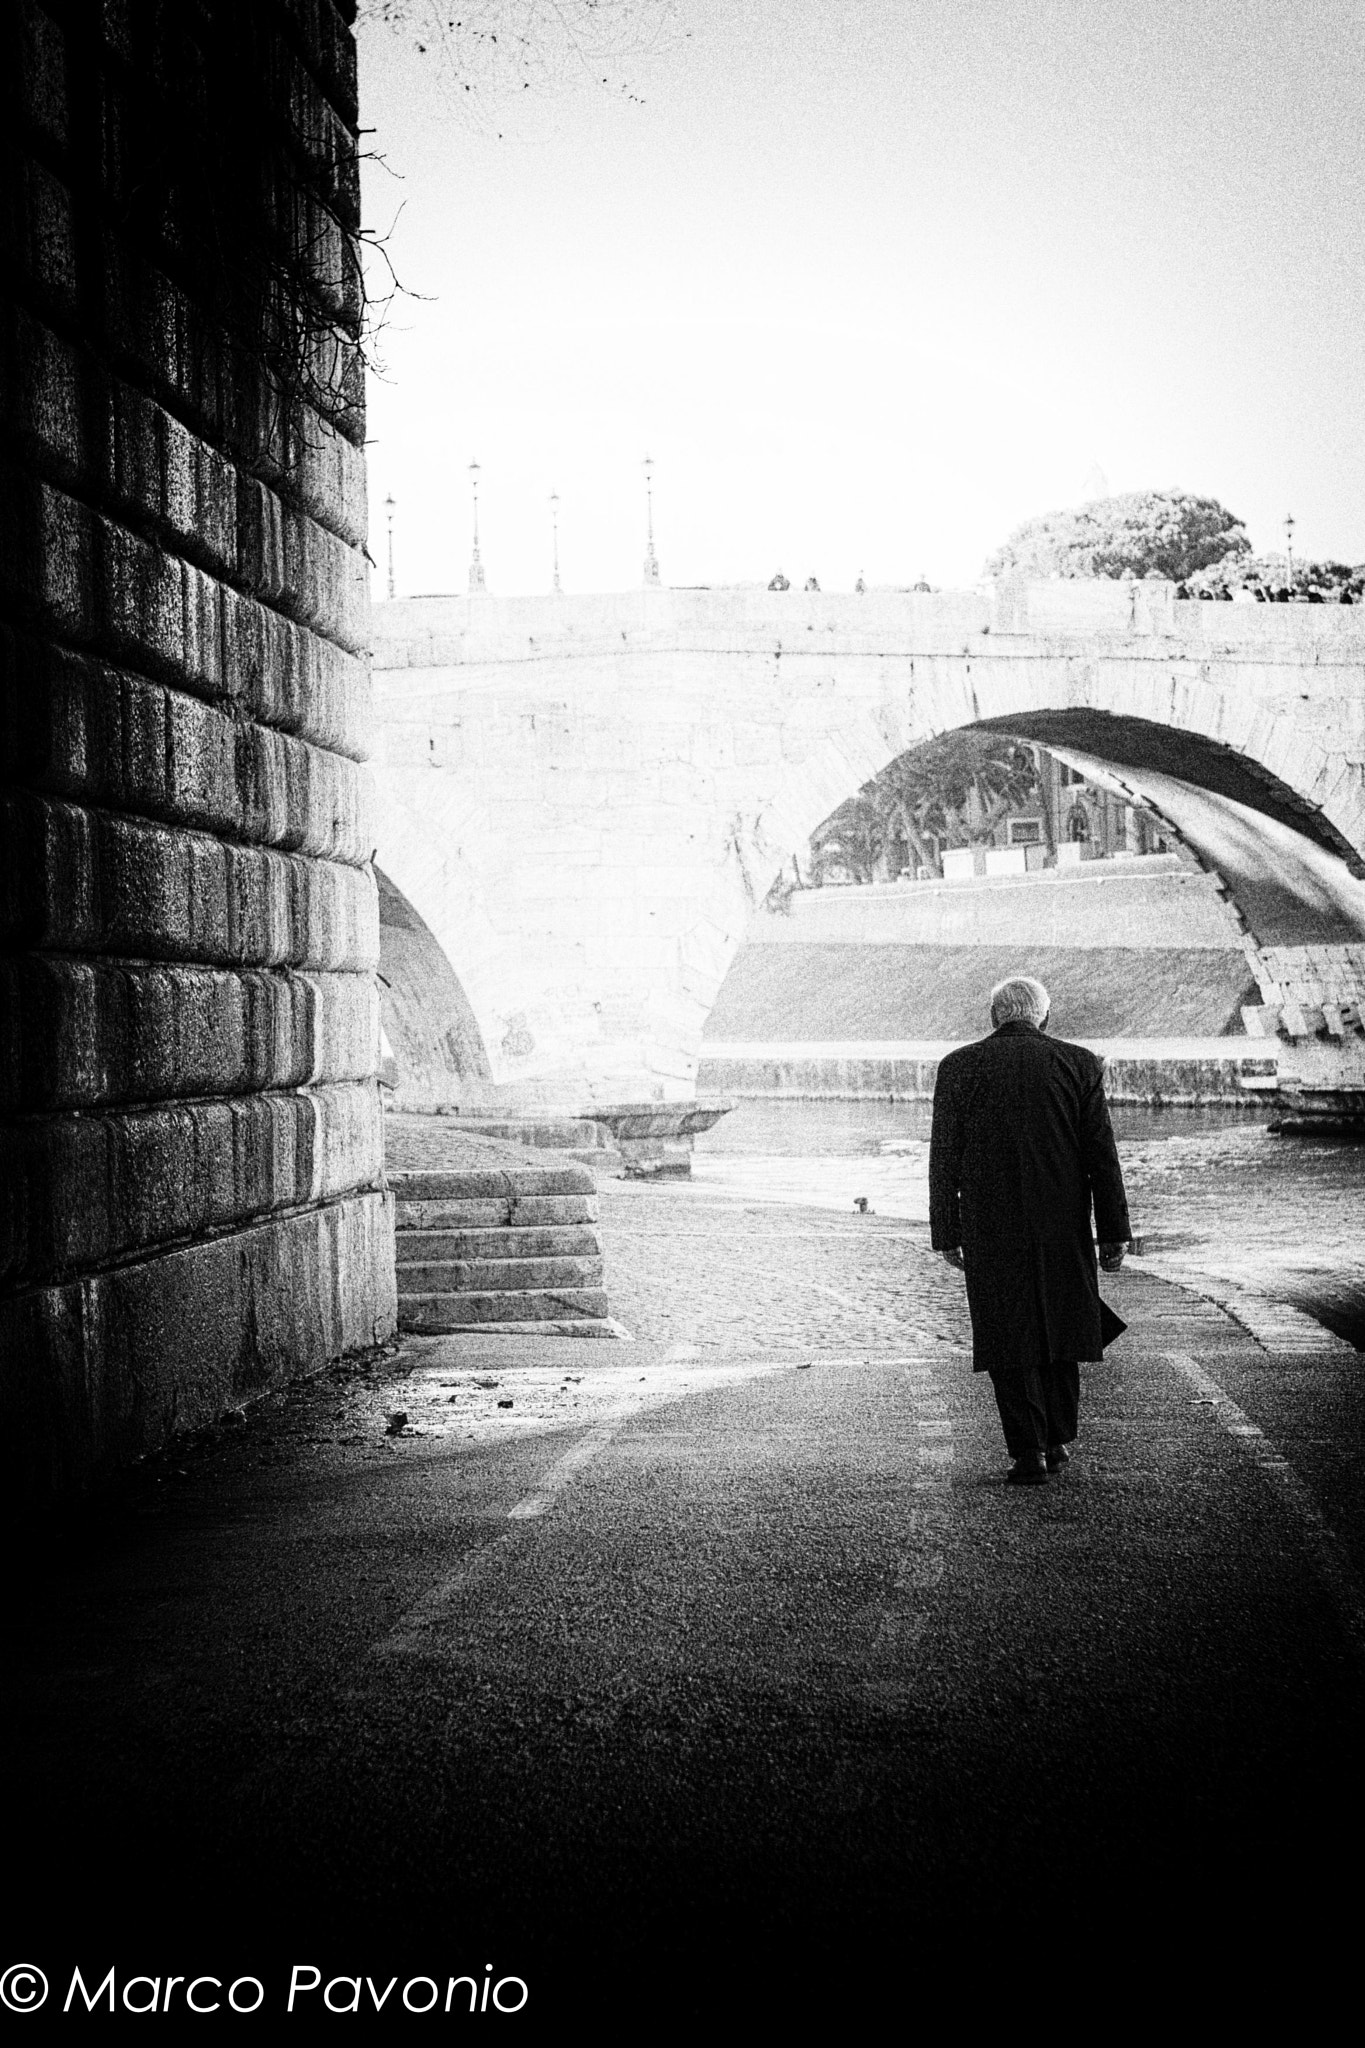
column 416, row 1247
column 586, row 1326
column 546, row 1134
column 1241, row 1074
column 485, row 1213
column 510, row 1182
column 472, row 1311
column 514, row 1273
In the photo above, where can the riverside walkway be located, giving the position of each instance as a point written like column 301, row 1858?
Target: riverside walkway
column 719, row 1669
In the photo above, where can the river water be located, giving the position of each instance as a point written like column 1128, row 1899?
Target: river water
column 1213, row 1194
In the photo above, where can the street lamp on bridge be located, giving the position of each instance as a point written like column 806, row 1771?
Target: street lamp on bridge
column 554, row 528
column 389, row 504
column 476, row 581
column 651, row 559
column 1289, row 548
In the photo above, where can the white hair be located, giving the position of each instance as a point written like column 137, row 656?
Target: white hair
column 1019, row 999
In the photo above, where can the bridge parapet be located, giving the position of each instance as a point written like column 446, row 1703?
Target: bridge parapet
column 457, row 631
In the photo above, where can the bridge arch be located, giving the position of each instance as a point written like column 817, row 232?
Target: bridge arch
column 1282, row 846
column 657, row 756
column 432, row 1052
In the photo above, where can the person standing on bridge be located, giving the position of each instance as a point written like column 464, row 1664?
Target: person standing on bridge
column 1021, row 1150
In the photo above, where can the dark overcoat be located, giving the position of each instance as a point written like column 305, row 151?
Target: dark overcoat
column 1021, row 1151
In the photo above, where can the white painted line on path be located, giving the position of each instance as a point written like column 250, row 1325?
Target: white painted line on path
column 564, row 1469
column 426, row 1627
column 1328, row 1553
column 920, row 1565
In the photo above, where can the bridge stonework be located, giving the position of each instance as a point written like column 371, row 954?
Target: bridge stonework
column 585, row 798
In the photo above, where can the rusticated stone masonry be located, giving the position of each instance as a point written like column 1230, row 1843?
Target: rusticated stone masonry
column 191, row 1189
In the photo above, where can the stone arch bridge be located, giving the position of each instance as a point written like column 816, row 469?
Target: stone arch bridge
column 583, row 799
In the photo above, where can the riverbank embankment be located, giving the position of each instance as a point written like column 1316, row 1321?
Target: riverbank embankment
column 854, row 993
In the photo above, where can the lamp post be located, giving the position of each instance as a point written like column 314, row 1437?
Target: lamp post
column 554, row 528
column 389, row 503
column 1289, row 548
column 651, row 559
column 476, row 581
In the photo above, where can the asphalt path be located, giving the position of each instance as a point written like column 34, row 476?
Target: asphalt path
column 695, row 1684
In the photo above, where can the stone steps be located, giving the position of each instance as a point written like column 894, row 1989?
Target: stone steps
column 564, row 1241
column 436, row 1312
column 519, row 1211
column 473, row 1276
column 499, row 1247
column 487, row 1184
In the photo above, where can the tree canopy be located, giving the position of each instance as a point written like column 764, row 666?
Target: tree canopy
column 953, row 791
column 1271, row 572
column 1139, row 533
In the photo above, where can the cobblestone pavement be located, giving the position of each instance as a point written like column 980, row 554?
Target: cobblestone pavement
column 1222, row 1203
column 687, row 1266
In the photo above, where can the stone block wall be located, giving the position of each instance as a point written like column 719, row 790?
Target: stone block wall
column 1174, row 1076
column 191, row 1186
column 1312, row 1002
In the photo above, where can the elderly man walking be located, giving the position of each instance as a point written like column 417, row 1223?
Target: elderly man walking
column 1021, row 1150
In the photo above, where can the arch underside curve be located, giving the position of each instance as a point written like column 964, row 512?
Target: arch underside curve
column 434, row 1055
column 1141, row 745
column 1290, row 876
column 1294, row 876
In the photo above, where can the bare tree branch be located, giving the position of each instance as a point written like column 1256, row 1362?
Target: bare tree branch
column 486, row 51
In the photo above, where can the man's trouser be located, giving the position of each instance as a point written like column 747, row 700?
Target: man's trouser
column 1038, row 1404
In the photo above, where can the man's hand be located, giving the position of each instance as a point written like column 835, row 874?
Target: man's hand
column 953, row 1255
column 1111, row 1256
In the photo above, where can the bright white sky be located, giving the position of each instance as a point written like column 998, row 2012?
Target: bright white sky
column 872, row 281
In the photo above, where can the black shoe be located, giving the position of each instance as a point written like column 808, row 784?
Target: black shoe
column 1029, row 1469
column 1057, row 1456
